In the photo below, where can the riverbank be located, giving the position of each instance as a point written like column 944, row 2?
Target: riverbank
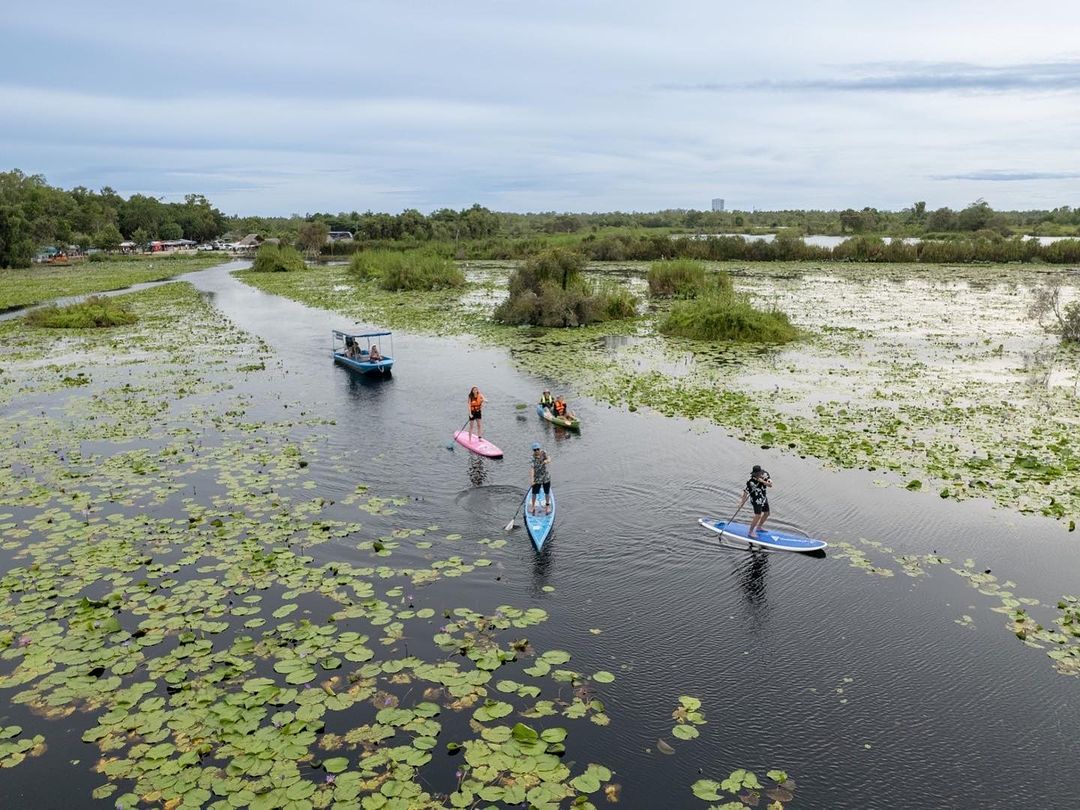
column 41, row 283
column 933, row 377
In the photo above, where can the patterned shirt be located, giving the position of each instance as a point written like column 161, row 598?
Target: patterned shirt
column 756, row 490
column 539, row 467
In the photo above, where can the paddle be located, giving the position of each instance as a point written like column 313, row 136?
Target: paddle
column 728, row 521
column 510, row 525
column 450, row 444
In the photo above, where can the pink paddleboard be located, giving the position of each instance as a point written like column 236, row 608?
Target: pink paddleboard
column 481, row 447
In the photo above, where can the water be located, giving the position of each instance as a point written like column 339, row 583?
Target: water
column 934, row 714
column 825, row 241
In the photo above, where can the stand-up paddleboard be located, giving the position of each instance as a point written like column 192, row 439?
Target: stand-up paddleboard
column 482, row 447
column 539, row 525
column 561, row 421
column 767, row 539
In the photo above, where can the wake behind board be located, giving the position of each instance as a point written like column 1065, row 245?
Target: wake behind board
column 482, row 447
column 539, row 526
column 767, row 539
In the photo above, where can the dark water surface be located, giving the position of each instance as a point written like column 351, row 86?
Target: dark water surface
column 929, row 713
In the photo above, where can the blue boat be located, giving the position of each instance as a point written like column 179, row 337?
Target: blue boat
column 348, row 351
column 539, row 526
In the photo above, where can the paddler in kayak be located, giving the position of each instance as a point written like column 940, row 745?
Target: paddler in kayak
column 540, row 478
column 547, row 401
column 560, row 409
column 759, row 498
column 476, row 405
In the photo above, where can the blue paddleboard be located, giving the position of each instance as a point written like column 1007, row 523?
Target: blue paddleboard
column 767, row 539
column 539, row 526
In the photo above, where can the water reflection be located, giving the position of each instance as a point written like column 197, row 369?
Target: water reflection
column 752, row 574
column 542, row 565
column 478, row 472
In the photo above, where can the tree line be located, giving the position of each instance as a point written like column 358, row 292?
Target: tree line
column 34, row 214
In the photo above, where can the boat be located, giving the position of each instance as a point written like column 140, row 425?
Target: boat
column 539, row 526
column 561, row 421
column 779, row 541
column 348, row 352
column 474, row 444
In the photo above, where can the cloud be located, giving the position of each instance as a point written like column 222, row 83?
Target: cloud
column 992, row 176
column 914, row 77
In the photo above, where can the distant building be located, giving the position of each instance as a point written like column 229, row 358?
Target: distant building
column 339, row 236
column 718, row 204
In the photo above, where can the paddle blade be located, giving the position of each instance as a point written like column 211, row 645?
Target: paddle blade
column 509, row 525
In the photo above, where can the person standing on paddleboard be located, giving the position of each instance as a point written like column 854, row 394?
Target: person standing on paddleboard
column 540, row 478
column 476, row 404
column 759, row 498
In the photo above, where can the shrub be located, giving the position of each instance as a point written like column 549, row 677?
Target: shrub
column 96, row 312
column 726, row 316
column 1047, row 301
column 679, row 278
column 275, row 259
column 548, row 290
column 412, row 270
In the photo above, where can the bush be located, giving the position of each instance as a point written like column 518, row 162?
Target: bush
column 549, row 291
column 413, row 270
column 275, row 259
column 96, row 312
column 726, row 316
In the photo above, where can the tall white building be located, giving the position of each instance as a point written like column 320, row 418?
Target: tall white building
column 718, row 204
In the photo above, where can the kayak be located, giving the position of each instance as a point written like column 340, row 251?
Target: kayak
column 539, row 526
column 768, row 539
column 482, row 447
column 561, row 421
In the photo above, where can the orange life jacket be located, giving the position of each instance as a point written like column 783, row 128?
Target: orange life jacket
column 476, row 402
column 560, row 408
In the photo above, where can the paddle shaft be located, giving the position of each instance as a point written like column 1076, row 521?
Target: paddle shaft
column 510, row 525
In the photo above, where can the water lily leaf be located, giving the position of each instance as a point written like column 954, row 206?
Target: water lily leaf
column 684, row 732
column 336, row 764
column 603, row 676
column 706, row 790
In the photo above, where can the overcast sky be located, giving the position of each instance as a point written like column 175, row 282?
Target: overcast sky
column 276, row 108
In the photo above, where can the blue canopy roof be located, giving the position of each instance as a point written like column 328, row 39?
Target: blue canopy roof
column 360, row 334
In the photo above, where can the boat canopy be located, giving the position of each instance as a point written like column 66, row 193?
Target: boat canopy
column 360, row 334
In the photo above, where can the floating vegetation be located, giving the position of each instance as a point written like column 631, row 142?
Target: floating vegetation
column 165, row 585
column 747, row 790
column 687, row 717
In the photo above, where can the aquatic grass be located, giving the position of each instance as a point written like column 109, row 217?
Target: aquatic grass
column 96, row 312
column 685, row 278
column 728, row 317
column 414, row 270
column 271, row 258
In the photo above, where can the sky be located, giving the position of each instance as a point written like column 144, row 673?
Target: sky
column 277, row 108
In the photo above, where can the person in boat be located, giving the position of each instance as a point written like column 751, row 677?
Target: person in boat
column 352, row 351
column 547, row 401
column 559, row 408
column 374, row 356
column 476, row 404
column 756, row 491
column 540, row 478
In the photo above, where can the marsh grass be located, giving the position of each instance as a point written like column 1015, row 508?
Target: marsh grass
column 727, row 316
column 275, row 259
column 412, row 270
column 95, row 312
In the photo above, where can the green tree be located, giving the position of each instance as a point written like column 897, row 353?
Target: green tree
column 108, row 238
column 171, row 230
column 312, row 236
column 975, row 217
